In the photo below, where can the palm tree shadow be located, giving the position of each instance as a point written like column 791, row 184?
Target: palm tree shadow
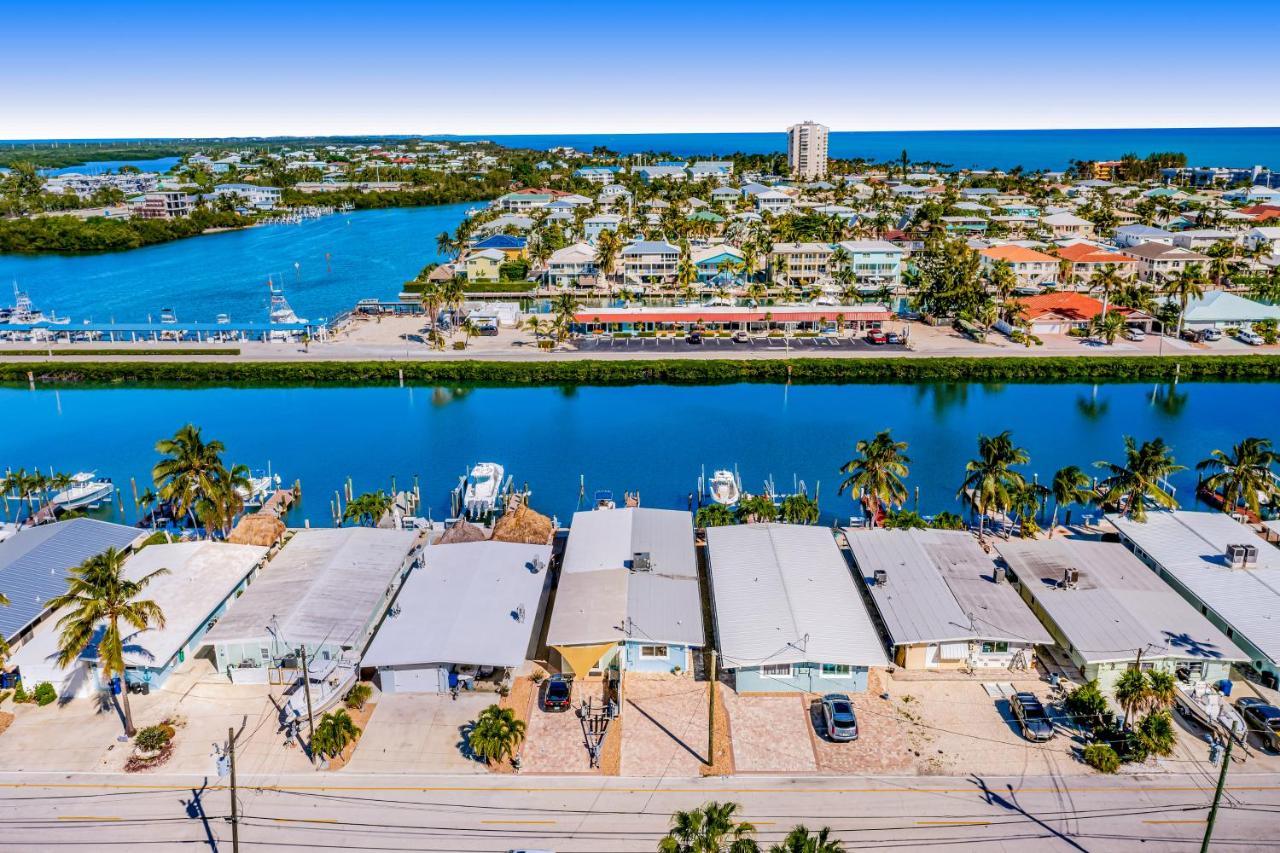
column 464, row 742
column 1010, row 803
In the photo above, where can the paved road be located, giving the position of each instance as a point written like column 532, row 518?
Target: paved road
column 1156, row 812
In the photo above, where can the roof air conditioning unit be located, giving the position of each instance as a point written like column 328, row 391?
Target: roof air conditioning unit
column 538, row 565
column 642, row 561
column 882, row 577
column 1070, row 578
column 1240, row 556
column 999, row 574
column 520, row 613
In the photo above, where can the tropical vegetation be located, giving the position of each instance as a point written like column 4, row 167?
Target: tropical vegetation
column 496, row 734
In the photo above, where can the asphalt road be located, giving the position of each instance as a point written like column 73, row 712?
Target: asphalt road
column 341, row 812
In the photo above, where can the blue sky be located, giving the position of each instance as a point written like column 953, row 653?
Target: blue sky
column 239, row 68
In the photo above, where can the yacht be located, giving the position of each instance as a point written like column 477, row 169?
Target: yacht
column 168, row 316
column 280, row 310
column 1203, row 703
column 21, row 311
column 725, row 488
column 86, row 491
column 261, row 487
column 479, row 493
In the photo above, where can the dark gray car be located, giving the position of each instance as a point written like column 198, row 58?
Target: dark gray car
column 1032, row 718
column 1262, row 719
column 842, row 722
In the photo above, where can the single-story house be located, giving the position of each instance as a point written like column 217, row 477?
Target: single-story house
column 789, row 616
column 943, row 601
column 1106, row 610
column 1237, row 588
column 628, row 596
column 327, row 589
column 1218, row 309
column 1061, row 311
column 470, row 610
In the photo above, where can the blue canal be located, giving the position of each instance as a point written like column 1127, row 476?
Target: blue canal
column 325, row 264
column 654, row 439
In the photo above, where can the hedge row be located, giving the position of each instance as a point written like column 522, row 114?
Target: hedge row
column 44, row 353
column 667, row 371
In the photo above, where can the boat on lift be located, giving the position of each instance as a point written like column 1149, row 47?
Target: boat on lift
column 86, row 491
column 261, row 487
column 726, row 489
column 168, row 317
column 280, row 311
column 604, row 500
column 479, row 494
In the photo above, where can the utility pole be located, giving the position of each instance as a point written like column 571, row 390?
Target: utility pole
column 306, row 689
column 235, row 815
column 1217, row 796
column 711, row 712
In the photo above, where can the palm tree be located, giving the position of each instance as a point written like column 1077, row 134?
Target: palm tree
column 877, row 472
column 799, row 509
column 1070, row 486
column 224, row 500
column 1108, row 326
column 709, row 829
column 714, row 515
column 189, row 470
column 333, row 733
column 1185, row 285
column 607, row 248
column 754, row 509
column 98, row 598
column 1132, row 692
column 801, row 840
column 564, row 307
column 1107, row 279
column 1241, row 475
column 367, row 509
column 990, row 482
column 1139, row 479
column 445, row 244
column 496, row 734
column 537, row 325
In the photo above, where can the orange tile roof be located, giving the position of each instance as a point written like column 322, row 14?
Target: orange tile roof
column 1016, row 254
column 1070, row 305
column 1084, row 253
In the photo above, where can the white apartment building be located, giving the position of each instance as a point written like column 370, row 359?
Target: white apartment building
column 807, row 150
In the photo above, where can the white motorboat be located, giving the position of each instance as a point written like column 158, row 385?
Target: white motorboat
column 168, row 316
column 330, row 679
column 280, row 311
column 480, row 492
column 86, row 490
column 261, row 487
column 22, row 312
column 1203, row 703
column 725, row 488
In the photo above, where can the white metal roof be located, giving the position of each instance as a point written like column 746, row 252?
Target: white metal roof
column 323, row 587
column 1118, row 605
column 783, row 593
column 1191, row 548
column 470, row 603
column 941, row 587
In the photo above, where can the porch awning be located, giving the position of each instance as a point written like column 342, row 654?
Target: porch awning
column 583, row 659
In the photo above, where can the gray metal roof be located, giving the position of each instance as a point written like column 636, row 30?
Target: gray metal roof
column 470, row 603
column 601, row 597
column 35, row 563
column 941, row 587
column 1118, row 606
column 1191, row 548
column 783, row 593
column 323, row 587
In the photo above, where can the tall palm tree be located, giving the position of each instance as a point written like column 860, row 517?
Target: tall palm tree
column 990, row 482
column 1138, row 480
column 709, row 829
column 445, row 244
column 877, row 472
column 1241, row 475
column 799, row 509
column 1107, row 279
column 1070, row 486
column 801, row 840
column 367, row 510
column 1185, row 285
column 217, row 509
column 99, row 598
column 189, row 469
column 496, row 734
column 563, row 309
column 607, row 248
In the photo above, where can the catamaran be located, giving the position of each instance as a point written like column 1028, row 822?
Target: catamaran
column 86, row 490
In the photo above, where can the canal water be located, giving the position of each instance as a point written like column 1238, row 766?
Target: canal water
column 325, row 264
column 651, row 439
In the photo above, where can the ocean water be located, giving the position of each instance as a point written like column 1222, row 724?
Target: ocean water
column 1003, row 149
column 325, row 264
column 97, row 167
column 654, row 439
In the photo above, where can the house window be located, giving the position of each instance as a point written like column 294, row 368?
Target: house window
column 995, row 648
column 776, row 670
column 836, row 670
column 653, row 652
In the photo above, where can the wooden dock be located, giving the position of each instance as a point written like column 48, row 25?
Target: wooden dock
column 278, row 504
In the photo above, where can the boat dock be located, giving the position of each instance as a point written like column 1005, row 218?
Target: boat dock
column 179, row 331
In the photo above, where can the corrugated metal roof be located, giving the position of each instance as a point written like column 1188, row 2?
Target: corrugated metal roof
column 463, row 606
column 323, row 587
column 941, row 587
column 1191, row 547
column 1118, row 606
column 35, row 563
column 784, row 594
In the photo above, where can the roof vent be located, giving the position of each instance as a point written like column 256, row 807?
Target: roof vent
column 520, row 613
column 1240, row 556
column 1070, row 577
column 537, row 565
column 642, row 561
column 881, row 577
column 998, row 575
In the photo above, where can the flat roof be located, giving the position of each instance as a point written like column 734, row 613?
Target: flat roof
column 732, row 314
column 1118, row 607
column 783, row 593
column 469, row 603
column 35, row 563
column 1191, row 547
column 941, row 587
column 323, row 587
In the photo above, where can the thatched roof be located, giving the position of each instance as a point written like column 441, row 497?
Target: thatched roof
column 521, row 524
column 462, row 531
column 260, row 528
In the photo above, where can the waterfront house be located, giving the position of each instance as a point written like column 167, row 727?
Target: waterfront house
column 711, row 259
column 505, row 222
column 1223, row 569
column 1135, row 235
column 1218, row 309
column 523, row 201
column 1087, row 259
column 163, row 204
column 614, row 194
column 327, row 590
column 1059, row 312
column 511, row 247
column 1034, row 270
column 965, row 225
column 484, row 265
column 471, row 610
column 726, row 196
column 261, row 198
column 628, row 596
column 1066, row 225
column 645, row 260
column 943, row 601
column 729, row 318
column 568, row 266
column 788, row 613
column 1197, row 239
column 1106, row 610
column 876, row 264
column 805, row 262
column 1159, row 261
column 593, row 226
column 1257, row 194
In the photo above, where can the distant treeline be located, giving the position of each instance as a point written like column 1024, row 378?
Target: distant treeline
column 444, row 193
column 691, row 371
column 71, row 236
column 62, row 156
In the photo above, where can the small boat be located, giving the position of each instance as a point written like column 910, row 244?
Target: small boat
column 86, row 490
column 1203, row 703
column 168, row 316
column 604, row 500
column 329, row 678
column 725, row 488
column 260, row 488
column 222, row 319
column 479, row 493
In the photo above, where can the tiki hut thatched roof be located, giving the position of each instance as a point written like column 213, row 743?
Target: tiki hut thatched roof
column 522, row 524
column 462, row 531
column 260, row 528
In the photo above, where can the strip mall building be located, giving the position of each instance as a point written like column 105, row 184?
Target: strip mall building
column 714, row 318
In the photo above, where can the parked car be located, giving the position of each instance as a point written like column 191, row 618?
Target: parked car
column 693, row 338
column 558, row 693
column 1032, row 718
column 1135, row 334
column 893, row 338
column 875, row 336
column 741, row 337
column 1253, row 339
column 842, row 722
column 1262, row 719
column 1210, row 334
column 1191, row 335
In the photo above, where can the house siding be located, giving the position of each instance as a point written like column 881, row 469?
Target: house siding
column 676, row 656
column 805, row 678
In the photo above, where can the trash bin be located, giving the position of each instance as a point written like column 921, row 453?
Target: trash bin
column 1225, row 686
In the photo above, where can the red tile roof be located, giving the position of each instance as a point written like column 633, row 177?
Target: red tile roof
column 1016, row 254
column 1070, row 305
column 1084, row 253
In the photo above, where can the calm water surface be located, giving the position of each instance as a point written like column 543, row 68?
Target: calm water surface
column 653, row 439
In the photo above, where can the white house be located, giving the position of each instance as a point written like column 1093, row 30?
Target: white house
column 567, row 266
column 1263, row 238
column 773, row 201
column 647, row 259
column 263, row 198
column 594, row 225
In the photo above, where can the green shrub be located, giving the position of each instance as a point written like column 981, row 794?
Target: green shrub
column 44, row 694
column 153, row 738
column 1087, row 706
column 358, row 695
column 1102, row 758
column 20, row 694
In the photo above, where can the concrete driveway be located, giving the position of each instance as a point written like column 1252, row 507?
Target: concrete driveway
column 770, row 733
column 419, row 733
